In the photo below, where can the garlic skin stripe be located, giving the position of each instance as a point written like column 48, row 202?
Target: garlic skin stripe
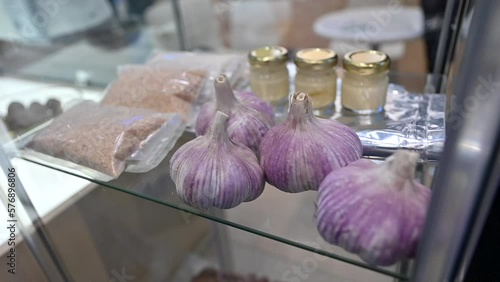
column 297, row 154
column 249, row 116
column 375, row 211
column 212, row 171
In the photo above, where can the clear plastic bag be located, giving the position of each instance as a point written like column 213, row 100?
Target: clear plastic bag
column 231, row 65
column 155, row 88
column 103, row 141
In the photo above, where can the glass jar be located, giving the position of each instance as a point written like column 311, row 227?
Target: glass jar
column 269, row 77
column 316, row 75
column 365, row 82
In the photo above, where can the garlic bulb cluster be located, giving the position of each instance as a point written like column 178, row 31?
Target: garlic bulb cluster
column 375, row 211
column 212, row 171
column 249, row 116
column 298, row 154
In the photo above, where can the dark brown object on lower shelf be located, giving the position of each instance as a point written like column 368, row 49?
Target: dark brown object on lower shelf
column 20, row 119
column 212, row 275
column 55, row 106
column 97, row 136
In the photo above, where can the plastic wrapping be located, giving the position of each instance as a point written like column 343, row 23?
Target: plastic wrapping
column 410, row 120
column 155, row 88
column 231, row 65
column 103, row 141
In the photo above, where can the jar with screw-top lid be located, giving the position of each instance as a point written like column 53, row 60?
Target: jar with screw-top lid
column 269, row 77
column 365, row 81
column 316, row 75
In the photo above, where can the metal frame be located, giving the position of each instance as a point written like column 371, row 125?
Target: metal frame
column 467, row 173
column 453, row 17
column 35, row 235
column 179, row 24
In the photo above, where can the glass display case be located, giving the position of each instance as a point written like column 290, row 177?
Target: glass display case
column 67, row 223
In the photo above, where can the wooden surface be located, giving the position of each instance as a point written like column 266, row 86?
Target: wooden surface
column 300, row 33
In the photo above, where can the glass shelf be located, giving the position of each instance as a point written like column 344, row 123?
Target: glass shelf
column 282, row 217
column 286, row 218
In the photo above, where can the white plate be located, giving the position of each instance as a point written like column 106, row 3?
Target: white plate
column 372, row 25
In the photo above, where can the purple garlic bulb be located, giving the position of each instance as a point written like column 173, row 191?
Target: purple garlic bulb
column 249, row 116
column 375, row 211
column 298, row 154
column 212, row 171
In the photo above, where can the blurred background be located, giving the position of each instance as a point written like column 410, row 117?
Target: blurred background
column 85, row 40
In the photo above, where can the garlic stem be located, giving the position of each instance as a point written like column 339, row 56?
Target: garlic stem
column 300, row 108
column 403, row 163
column 224, row 94
column 218, row 129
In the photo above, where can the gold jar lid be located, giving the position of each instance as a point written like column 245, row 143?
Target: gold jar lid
column 268, row 56
column 316, row 59
column 366, row 62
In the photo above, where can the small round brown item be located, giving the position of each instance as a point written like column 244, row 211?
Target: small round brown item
column 20, row 119
column 17, row 117
column 55, row 106
column 15, row 107
column 39, row 113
